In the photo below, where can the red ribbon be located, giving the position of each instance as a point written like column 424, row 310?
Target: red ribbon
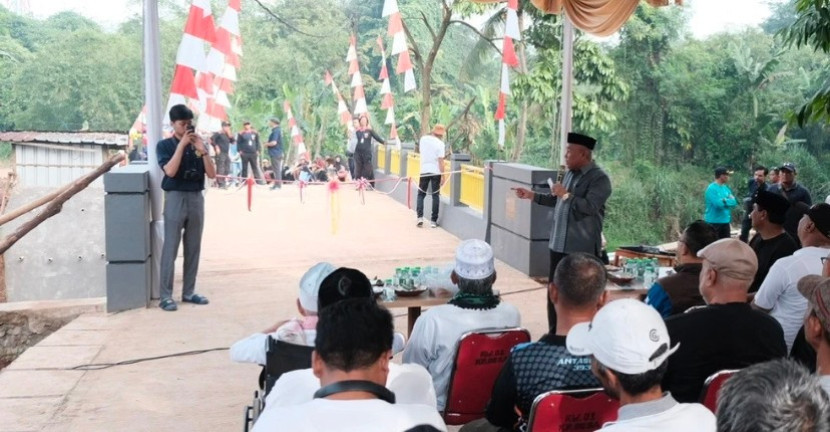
column 361, row 185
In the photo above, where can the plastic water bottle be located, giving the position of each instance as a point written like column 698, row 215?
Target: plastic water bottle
column 649, row 274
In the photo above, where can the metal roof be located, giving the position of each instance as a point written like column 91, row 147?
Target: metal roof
column 71, row 138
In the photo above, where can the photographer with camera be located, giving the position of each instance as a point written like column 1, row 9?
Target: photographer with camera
column 185, row 161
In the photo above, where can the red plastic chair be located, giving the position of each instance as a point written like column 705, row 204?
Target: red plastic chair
column 572, row 410
column 712, row 386
column 479, row 358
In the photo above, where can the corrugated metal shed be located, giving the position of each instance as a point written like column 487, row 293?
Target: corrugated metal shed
column 54, row 159
column 98, row 138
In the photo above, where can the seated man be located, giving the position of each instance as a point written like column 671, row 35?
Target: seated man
column 727, row 333
column 351, row 359
column 631, row 347
column 577, row 292
column 435, row 335
column 411, row 383
column 774, row 396
column 770, row 242
column 674, row 294
column 779, row 294
column 298, row 331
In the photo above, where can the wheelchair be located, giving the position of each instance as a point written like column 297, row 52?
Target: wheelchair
column 281, row 357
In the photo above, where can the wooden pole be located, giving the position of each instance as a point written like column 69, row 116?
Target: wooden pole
column 54, row 207
column 26, row 208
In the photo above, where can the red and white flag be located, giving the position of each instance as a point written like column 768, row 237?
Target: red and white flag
column 509, row 59
column 296, row 135
column 399, row 47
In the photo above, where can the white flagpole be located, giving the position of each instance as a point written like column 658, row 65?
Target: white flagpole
column 566, row 102
column 152, row 98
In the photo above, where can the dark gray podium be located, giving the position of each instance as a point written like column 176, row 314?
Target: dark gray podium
column 128, row 215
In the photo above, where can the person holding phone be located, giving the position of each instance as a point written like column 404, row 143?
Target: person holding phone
column 578, row 206
column 185, row 161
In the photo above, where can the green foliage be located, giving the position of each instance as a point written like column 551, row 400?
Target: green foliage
column 812, row 29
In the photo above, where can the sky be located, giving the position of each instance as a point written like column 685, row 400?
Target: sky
column 708, row 16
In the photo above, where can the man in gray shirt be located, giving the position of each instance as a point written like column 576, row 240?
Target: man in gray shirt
column 578, row 206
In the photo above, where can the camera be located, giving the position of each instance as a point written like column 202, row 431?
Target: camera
column 191, row 128
column 191, row 174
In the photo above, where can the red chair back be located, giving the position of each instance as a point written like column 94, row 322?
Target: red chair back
column 572, row 410
column 712, row 386
column 479, row 358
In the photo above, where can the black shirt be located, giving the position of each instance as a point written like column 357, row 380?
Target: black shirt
column 191, row 174
column 717, row 337
column 768, row 252
column 532, row 369
column 248, row 142
column 223, row 141
column 796, row 193
column 364, row 140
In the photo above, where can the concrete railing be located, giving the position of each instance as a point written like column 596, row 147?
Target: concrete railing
column 395, row 162
column 472, row 186
column 381, row 152
column 413, row 165
column 445, row 189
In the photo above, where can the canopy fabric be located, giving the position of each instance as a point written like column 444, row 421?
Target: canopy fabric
column 597, row 17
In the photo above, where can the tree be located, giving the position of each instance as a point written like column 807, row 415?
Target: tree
column 812, row 29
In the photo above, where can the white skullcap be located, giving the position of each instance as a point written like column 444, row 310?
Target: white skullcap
column 474, row 259
column 310, row 285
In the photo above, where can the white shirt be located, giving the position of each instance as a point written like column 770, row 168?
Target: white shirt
column 436, row 334
column 663, row 415
column 411, row 384
column 824, row 380
column 779, row 291
column 254, row 348
column 431, row 149
column 367, row 415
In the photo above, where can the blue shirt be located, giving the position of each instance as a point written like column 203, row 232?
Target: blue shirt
column 191, row 174
column 276, row 135
column 719, row 200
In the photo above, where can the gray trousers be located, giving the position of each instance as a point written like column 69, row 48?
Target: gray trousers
column 276, row 165
column 182, row 211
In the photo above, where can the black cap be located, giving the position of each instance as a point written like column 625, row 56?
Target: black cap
column 774, row 204
column 583, row 140
column 789, row 166
column 819, row 214
column 274, row 120
column 719, row 171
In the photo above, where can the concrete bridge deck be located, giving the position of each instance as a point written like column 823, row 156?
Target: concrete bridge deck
column 250, row 268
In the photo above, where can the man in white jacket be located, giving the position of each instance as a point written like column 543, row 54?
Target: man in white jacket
column 630, row 346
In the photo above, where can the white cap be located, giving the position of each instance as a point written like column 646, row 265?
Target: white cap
column 626, row 335
column 310, row 285
column 474, row 259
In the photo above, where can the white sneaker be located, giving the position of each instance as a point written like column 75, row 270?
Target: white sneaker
column 420, row 222
column 433, row 224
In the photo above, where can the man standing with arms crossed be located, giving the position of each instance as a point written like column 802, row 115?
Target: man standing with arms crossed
column 719, row 202
column 274, row 145
column 185, row 161
column 578, row 206
column 432, row 172
column 222, row 146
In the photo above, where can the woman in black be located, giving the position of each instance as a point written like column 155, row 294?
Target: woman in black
column 363, row 150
